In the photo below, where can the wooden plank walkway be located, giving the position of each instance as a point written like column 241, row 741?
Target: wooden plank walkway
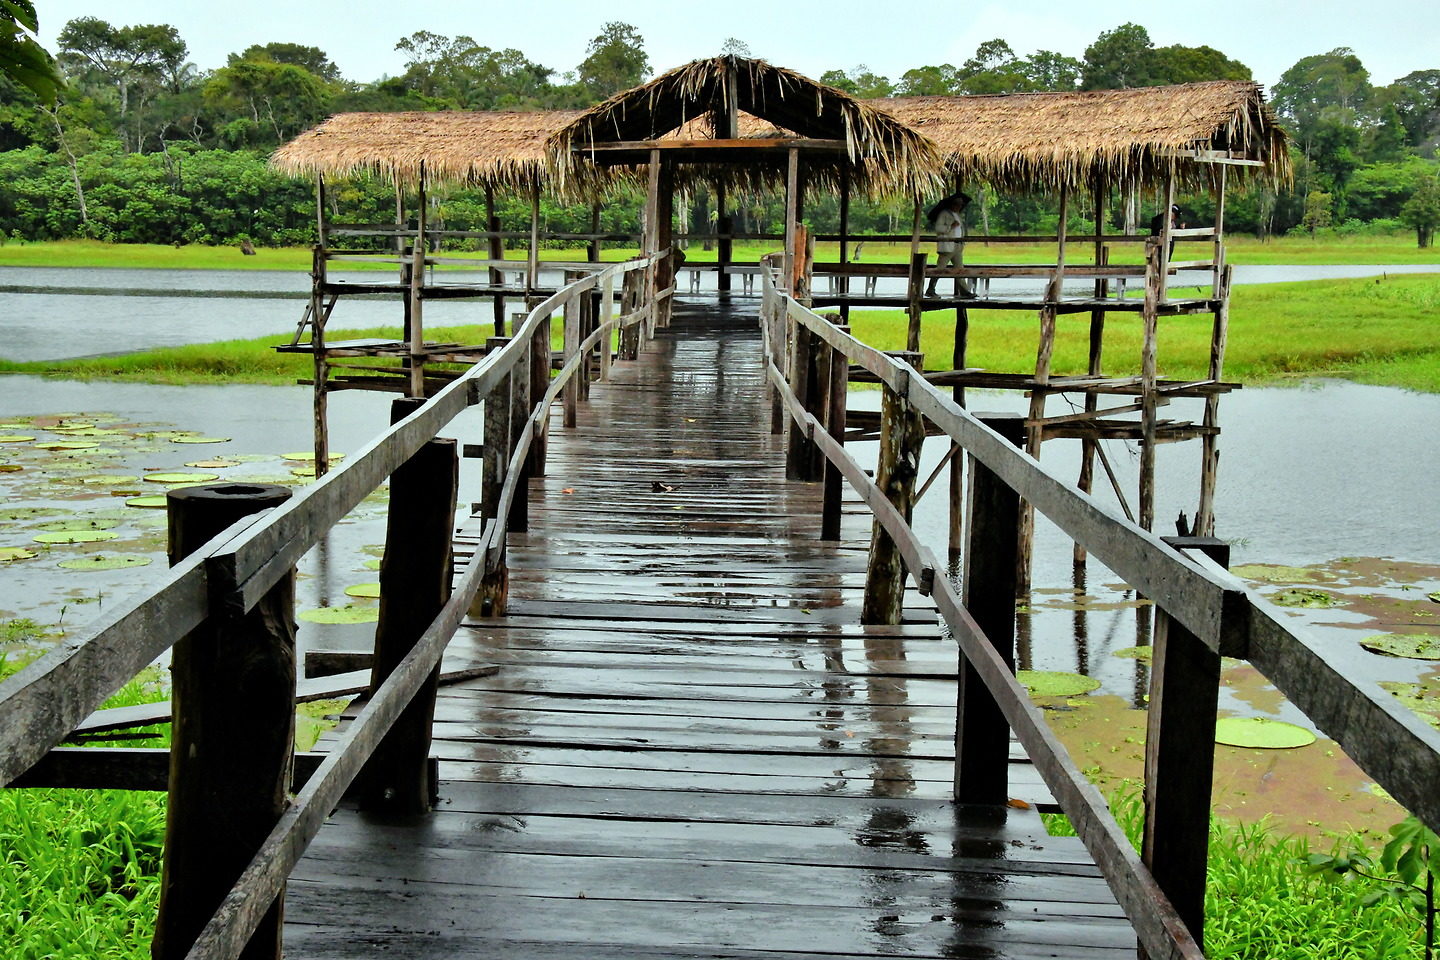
column 692, row 749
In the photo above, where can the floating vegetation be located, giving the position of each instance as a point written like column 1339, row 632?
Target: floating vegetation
column 1143, row 654
column 1423, row 698
column 82, row 523
column 349, row 613
column 150, row 502
column 12, row 554
column 1274, row 573
column 1415, row 646
column 106, row 561
column 1433, row 596
column 303, row 471
column 219, row 463
column 75, row 536
column 10, row 468
column 14, row 438
column 199, row 439
column 371, row 565
column 1262, row 733
column 364, row 591
column 181, row 477
column 67, row 444
column 1306, row 597
column 1055, row 683
column 310, row 456
column 107, row 480
column 29, row 513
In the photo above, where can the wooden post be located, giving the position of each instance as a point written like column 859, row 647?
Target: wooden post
column 792, row 201
column 592, row 251
column 845, row 238
column 914, row 293
column 664, row 225
column 1154, row 293
column 574, row 319
column 521, row 404
column 800, row 448
column 1089, row 445
column 540, row 357
column 817, row 392
column 724, row 246
column 837, row 386
column 233, row 737
column 321, row 363
column 1210, row 442
column 982, row 737
column 415, row 576
column 782, row 342
column 629, row 303
column 902, row 431
column 495, row 451
column 607, row 314
column 957, row 459
column 1166, row 227
column 496, row 252
column 1180, row 755
column 532, row 259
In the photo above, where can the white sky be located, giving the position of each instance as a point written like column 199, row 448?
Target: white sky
column 1392, row 37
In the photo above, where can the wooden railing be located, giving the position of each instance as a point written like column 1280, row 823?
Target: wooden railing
column 226, row 605
column 1202, row 613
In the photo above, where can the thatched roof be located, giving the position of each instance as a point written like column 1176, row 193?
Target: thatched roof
column 882, row 155
column 1028, row 140
column 472, row 148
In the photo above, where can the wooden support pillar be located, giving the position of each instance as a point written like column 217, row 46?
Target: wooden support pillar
column 902, row 431
column 915, row 309
column 982, row 737
column 607, row 313
column 592, row 251
column 1166, row 226
column 574, row 320
column 539, row 384
column 792, row 214
column 724, row 246
column 495, row 451
column 321, row 400
column 800, row 449
column 415, row 333
column 1089, row 445
column 588, row 323
column 782, row 343
column 415, row 577
column 957, row 459
column 844, row 237
column 817, row 391
column 1210, row 442
column 1180, row 756
column 496, row 252
column 664, row 207
column 1154, row 294
column 521, row 404
column 532, row 259
column 629, row 304
column 836, row 386
column 233, row 736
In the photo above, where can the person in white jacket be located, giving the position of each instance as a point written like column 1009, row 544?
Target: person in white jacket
column 947, row 222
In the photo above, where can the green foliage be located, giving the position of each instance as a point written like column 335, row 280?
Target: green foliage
column 1422, row 210
column 22, row 59
column 1318, row 211
column 617, row 60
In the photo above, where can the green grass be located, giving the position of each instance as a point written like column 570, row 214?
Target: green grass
column 80, row 869
column 1370, row 330
column 1259, row 904
column 1397, row 249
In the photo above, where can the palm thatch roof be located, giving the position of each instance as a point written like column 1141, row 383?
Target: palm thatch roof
column 881, row 154
column 469, row 148
column 1027, row 140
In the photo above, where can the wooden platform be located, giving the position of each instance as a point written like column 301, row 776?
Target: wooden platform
column 692, row 748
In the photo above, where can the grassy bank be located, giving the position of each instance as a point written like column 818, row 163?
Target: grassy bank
column 1260, row 904
column 1398, row 249
column 1369, row 330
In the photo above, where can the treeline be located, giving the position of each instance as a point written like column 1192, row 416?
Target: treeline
column 144, row 146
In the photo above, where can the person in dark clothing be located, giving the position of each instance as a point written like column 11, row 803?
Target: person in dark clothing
column 947, row 221
column 1157, row 227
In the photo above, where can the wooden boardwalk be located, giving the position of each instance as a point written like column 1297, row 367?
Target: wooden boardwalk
column 692, row 749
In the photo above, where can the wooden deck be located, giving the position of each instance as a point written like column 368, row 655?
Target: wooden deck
column 692, row 749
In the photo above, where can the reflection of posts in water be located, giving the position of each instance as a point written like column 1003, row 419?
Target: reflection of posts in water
column 1143, row 620
column 890, row 712
column 1081, row 620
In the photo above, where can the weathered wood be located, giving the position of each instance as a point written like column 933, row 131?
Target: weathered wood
column 121, row 768
column 1210, row 442
column 956, row 477
column 799, row 449
column 898, row 467
column 1180, row 756
column 573, row 333
column 1154, row 293
column 495, row 453
column 532, row 255
column 817, row 394
column 522, row 404
column 232, row 738
column 539, row 386
column 838, row 369
column 914, row 294
column 318, row 315
column 792, row 206
column 415, row 331
column 496, row 248
column 415, row 575
column 982, row 737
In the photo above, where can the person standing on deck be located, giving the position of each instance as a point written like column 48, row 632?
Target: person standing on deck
column 947, row 222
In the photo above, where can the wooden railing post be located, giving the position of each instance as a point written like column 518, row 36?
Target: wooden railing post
column 540, row 362
column 607, row 313
column 781, row 349
column 915, row 291
column 574, row 323
column 495, row 451
column 902, row 431
column 521, row 405
column 799, row 449
column 629, row 303
column 837, row 387
column 982, row 737
column 587, row 362
column 817, row 394
column 415, row 576
column 233, row 737
column 1180, row 755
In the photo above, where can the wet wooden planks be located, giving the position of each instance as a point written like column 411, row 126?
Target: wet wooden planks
column 692, row 748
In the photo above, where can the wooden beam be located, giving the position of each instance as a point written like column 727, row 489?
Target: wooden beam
column 767, row 144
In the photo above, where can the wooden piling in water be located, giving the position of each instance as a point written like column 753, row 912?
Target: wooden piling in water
column 902, row 431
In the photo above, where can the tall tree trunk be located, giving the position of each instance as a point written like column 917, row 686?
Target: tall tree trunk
column 70, row 154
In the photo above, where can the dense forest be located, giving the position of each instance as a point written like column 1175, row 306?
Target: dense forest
column 141, row 145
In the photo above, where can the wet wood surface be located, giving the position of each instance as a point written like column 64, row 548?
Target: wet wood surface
column 692, row 747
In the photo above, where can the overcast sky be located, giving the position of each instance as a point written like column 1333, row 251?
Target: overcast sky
column 1392, row 37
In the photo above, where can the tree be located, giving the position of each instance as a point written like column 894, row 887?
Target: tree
column 1416, row 98
column 928, row 81
column 859, row 81
column 1422, row 210
column 1317, row 211
column 1182, row 64
column 1334, row 79
column 735, row 48
column 22, row 58
column 1388, row 139
column 279, row 96
column 993, row 69
column 1048, row 70
column 124, row 56
column 1119, row 59
column 296, row 54
column 459, row 72
column 617, row 60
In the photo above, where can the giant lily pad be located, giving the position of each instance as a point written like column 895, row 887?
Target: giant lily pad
column 106, row 561
column 350, row 613
column 219, row 463
column 181, row 477
column 82, row 523
column 1274, row 573
column 1054, row 683
column 14, row 438
column 199, row 439
column 364, row 591
column 28, row 513
column 154, row 502
column 1415, row 646
column 67, row 444
column 75, row 536
column 11, row 554
column 310, row 455
column 10, row 468
column 1261, row 732
column 1143, row 654
column 1306, row 597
